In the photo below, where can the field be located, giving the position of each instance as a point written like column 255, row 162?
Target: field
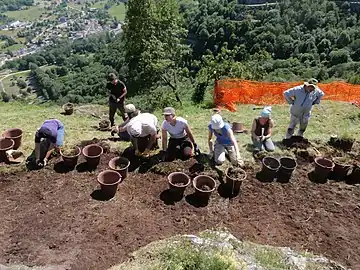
column 31, row 14
column 8, row 81
column 55, row 217
column 117, row 11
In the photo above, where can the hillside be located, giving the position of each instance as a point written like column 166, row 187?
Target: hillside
column 72, row 226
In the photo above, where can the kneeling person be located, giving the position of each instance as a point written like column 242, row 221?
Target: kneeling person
column 225, row 142
column 143, row 132
column 181, row 142
column 51, row 133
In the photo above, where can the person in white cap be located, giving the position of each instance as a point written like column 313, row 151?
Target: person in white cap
column 143, row 132
column 121, row 129
column 181, row 142
column 262, row 130
column 302, row 98
column 225, row 142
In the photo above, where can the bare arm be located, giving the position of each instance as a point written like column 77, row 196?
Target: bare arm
column 164, row 139
column 189, row 133
column 253, row 128
column 151, row 142
column 124, row 94
column 233, row 140
column 210, row 142
column 271, row 124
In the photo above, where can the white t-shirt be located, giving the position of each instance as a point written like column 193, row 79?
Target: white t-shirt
column 177, row 131
column 148, row 124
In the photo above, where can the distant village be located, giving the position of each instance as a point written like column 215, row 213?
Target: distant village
column 77, row 25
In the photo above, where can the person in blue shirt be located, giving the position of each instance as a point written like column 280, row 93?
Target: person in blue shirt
column 302, row 98
column 225, row 142
column 52, row 131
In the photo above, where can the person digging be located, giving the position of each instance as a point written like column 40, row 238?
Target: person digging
column 302, row 98
column 181, row 142
column 50, row 136
column 261, row 132
column 118, row 91
column 225, row 142
column 121, row 129
column 143, row 133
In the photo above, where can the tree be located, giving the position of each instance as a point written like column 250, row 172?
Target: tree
column 339, row 56
column 21, row 83
column 152, row 34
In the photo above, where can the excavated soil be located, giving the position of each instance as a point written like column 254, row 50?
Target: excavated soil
column 50, row 218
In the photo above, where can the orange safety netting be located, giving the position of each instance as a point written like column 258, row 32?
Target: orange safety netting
column 229, row 92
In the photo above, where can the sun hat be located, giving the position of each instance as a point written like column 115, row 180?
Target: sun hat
column 217, row 122
column 130, row 108
column 312, row 82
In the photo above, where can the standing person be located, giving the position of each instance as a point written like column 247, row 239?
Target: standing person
column 51, row 133
column 117, row 96
column 181, row 142
column 302, row 98
column 225, row 142
column 262, row 130
column 121, row 129
column 143, row 132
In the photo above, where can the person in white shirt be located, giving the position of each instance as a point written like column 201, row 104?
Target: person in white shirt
column 143, row 132
column 181, row 141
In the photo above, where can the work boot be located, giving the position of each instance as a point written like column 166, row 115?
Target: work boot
column 289, row 133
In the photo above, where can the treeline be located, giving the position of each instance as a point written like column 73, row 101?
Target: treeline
column 11, row 5
column 170, row 51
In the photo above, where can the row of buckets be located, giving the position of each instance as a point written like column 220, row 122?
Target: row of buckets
column 10, row 140
column 283, row 168
column 108, row 179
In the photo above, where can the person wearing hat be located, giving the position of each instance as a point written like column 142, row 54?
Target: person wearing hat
column 121, row 129
column 225, row 142
column 302, row 98
column 143, row 132
column 118, row 91
column 261, row 131
column 51, row 135
column 181, row 141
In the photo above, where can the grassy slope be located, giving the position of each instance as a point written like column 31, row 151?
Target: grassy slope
column 328, row 118
column 31, row 14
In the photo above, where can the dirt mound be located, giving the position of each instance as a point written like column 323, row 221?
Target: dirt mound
column 296, row 142
column 102, row 142
column 52, row 218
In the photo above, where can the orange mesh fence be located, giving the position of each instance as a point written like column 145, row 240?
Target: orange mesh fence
column 229, row 92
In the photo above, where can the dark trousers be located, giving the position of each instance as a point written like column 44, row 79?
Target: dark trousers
column 113, row 107
column 176, row 148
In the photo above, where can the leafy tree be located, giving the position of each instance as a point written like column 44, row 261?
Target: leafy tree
column 152, row 44
column 21, row 83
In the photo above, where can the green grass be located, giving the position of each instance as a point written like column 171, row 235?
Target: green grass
column 10, row 33
column 328, row 118
column 31, row 14
column 98, row 5
column 271, row 259
column 7, row 82
column 12, row 48
column 118, row 11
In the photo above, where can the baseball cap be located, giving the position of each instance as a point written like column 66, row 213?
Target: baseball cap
column 130, row 108
column 169, row 111
column 217, row 121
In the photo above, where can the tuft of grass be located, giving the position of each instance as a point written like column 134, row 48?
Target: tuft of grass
column 271, row 259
